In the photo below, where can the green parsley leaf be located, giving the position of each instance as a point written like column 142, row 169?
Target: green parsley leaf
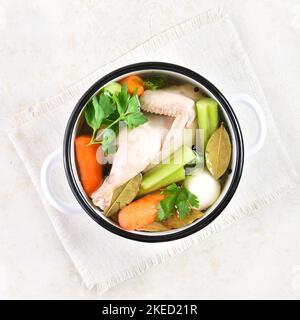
column 97, row 111
column 179, row 200
column 182, row 203
column 171, row 188
column 106, row 105
column 133, row 105
column 166, row 207
column 183, row 209
column 135, row 119
column 154, row 83
column 122, row 99
column 109, row 141
column 193, row 200
column 108, row 111
column 94, row 114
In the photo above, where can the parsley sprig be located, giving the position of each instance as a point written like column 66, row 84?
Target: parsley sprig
column 179, row 200
column 109, row 110
column 154, row 83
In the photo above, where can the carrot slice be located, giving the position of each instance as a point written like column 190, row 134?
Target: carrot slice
column 90, row 170
column 134, row 83
column 141, row 212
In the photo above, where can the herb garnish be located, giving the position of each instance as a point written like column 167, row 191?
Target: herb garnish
column 179, row 200
column 109, row 110
column 154, row 83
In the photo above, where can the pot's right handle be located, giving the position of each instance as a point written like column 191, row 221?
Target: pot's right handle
column 261, row 120
column 54, row 159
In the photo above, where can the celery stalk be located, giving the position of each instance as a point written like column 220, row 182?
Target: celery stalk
column 203, row 121
column 213, row 116
column 113, row 88
column 165, row 174
column 176, row 176
column 208, row 118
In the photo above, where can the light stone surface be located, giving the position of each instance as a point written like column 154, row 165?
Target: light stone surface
column 47, row 45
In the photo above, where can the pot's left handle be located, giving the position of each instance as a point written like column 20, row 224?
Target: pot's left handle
column 50, row 163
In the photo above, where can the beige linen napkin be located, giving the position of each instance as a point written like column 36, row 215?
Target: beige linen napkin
column 208, row 44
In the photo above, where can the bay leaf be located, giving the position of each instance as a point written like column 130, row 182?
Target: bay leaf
column 115, row 217
column 154, row 227
column 124, row 195
column 218, row 152
column 174, row 222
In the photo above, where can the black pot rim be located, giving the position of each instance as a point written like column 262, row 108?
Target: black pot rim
column 67, row 144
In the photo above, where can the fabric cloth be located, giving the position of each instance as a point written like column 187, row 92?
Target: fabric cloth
column 208, row 44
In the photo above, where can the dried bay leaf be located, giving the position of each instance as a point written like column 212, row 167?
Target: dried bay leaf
column 218, row 152
column 174, row 222
column 115, row 217
column 154, row 227
column 124, row 195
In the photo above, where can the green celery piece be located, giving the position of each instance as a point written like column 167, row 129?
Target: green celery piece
column 176, row 176
column 208, row 118
column 165, row 174
column 113, row 88
column 213, row 112
column 203, row 121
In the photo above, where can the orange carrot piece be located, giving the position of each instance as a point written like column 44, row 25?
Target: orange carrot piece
column 134, row 83
column 141, row 212
column 90, row 170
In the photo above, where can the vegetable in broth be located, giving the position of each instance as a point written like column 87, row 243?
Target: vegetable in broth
column 150, row 109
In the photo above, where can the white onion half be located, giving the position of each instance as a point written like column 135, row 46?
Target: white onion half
column 203, row 185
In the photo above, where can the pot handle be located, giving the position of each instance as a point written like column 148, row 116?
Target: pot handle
column 51, row 162
column 261, row 120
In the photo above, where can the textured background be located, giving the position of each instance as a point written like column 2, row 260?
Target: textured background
column 47, row 45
